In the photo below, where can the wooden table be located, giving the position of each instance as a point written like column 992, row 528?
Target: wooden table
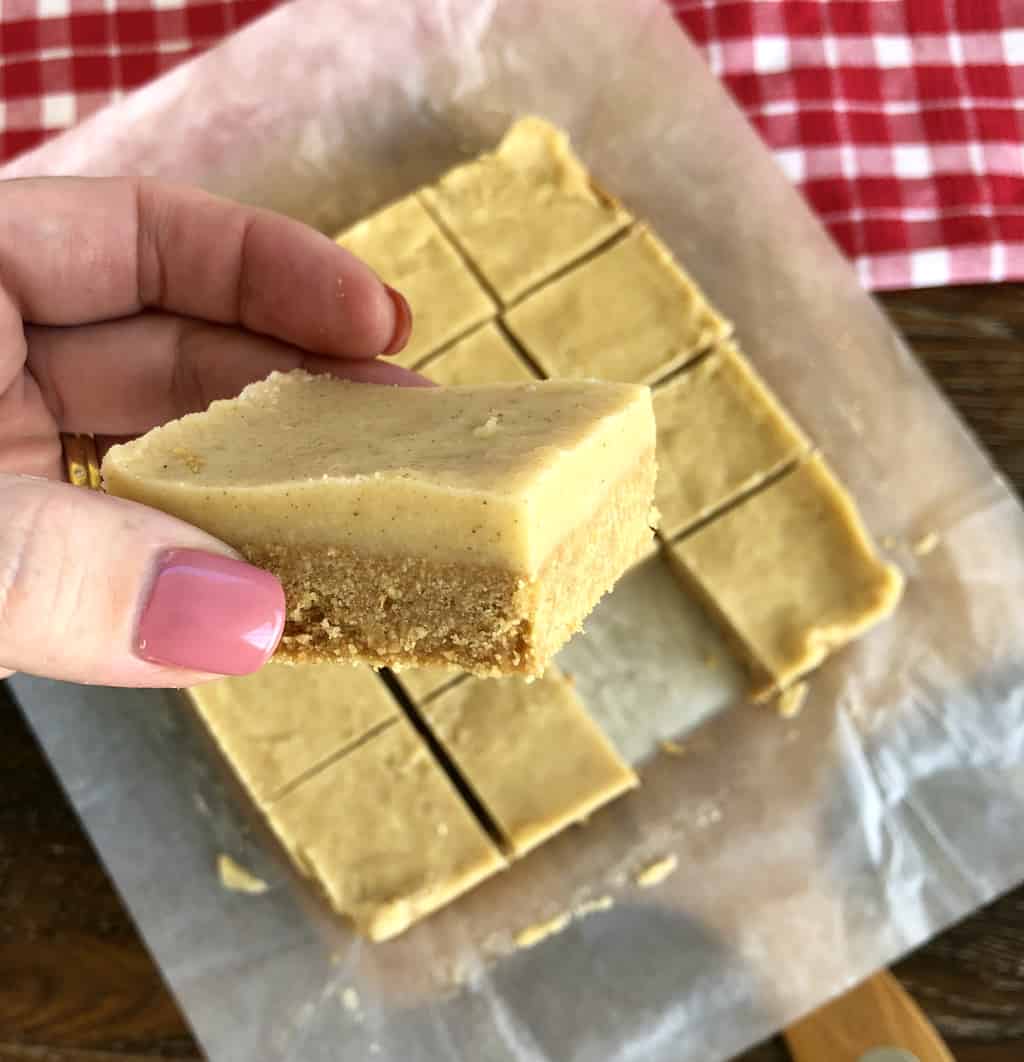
column 76, row 983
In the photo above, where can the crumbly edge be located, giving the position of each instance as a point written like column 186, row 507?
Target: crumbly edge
column 381, row 916
column 762, row 683
column 526, row 838
column 386, row 918
column 590, row 561
column 819, row 641
column 347, row 605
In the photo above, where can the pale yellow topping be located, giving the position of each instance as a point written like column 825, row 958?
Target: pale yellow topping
column 484, row 356
column 720, row 433
column 277, row 724
column 792, row 571
column 530, row 752
column 300, row 460
column 525, row 210
column 627, row 314
column 385, row 834
column 405, row 247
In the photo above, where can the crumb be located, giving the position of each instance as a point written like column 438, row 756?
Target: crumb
column 889, row 542
column 350, row 1000
column 531, row 935
column 460, row 972
column 655, row 873
column 534, row 934
column 236, row 878
column 589, row 907
column 926, row 544
column 791, row 701
column 672, row 748
column 708, row 814
column 488, row 428
column 710, row 660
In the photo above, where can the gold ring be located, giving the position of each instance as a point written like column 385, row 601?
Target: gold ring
column 81, row 461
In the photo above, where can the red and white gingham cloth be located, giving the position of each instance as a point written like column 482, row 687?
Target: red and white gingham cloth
column 61, row 60
column 902, row 121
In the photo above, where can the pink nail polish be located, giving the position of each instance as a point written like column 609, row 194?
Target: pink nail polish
column 210, row 613
column 403, row 323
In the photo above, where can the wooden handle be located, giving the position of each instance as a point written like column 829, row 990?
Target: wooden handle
column 874, row 1022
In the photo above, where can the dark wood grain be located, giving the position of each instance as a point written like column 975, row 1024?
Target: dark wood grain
column 76, row 983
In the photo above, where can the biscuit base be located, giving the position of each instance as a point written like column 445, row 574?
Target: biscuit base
column 391, row 611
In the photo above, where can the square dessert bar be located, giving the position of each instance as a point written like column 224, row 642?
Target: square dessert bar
column 406, row 248
column 484, row 356
column 629, row 313
column 721, row 433
column 470, row 527
column 281, row 723
column 791, row 572
column 352, row 792
column 525, row 210
column 530, row 753
column 365, row 809
column 385, row 834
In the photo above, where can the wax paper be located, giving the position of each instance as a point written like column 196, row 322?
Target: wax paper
column 810, row 851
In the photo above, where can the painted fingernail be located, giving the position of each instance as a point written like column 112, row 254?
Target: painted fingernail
column 403, row 322
column 210, row 613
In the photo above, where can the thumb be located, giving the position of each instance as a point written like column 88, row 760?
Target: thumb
column 100, row 590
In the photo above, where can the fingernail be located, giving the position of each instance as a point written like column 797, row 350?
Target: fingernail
column 210, row 613
column 403, row 322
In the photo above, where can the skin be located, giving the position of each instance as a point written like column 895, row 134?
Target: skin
column 124, row 304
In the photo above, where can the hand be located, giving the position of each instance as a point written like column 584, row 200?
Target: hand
column 124, row 304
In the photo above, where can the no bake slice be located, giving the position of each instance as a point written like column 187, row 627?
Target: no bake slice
column 720, row 433
column 467, row 527
column 629, row 313
column 385, row 834
column 792, row 573
column 484, row 356
column 529, row 751
column 280, row 723
column 525, row 210
column 405, row 247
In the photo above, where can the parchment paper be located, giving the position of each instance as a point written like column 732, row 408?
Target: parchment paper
column 810, row 851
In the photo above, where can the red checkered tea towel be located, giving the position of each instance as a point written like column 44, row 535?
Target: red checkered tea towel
column 61, row 60
column 902, row 121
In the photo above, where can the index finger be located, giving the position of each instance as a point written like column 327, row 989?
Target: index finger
column 75, row 250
